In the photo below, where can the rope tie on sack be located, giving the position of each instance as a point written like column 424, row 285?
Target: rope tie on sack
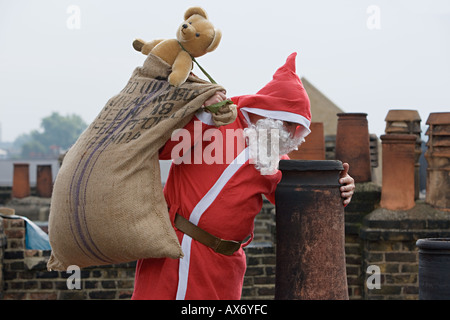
column 216, row 106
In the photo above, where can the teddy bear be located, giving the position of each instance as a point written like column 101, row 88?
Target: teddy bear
column 195, row 37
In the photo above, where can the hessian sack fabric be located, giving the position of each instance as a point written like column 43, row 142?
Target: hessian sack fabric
column 107, row 204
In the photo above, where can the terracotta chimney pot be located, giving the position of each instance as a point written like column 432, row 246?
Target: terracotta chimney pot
column 44, row 181
column 21, row 180
column 398, row 188
column 403, row 121
column 353, row 144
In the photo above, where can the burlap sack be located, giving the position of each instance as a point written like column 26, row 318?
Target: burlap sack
column 107, row 204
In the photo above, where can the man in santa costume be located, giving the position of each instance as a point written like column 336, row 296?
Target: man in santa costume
column 215, row 186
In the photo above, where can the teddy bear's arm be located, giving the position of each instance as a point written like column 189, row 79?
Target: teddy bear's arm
column 145, row 47
column 181, row 68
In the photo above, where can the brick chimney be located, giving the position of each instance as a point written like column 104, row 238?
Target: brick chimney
column 310, row 232
column 397, row 192
column 407, row 122
column 353, row 144
column 438, row 159
column 21, row 180
column 314, row 146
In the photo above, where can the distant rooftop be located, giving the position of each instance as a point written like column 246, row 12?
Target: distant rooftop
column 322, row 109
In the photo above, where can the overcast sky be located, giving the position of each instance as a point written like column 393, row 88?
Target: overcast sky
column 366, row 56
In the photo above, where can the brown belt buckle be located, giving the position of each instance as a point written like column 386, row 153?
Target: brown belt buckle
column 227, row 247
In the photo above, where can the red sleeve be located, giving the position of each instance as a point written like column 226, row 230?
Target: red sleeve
column 271, row 197
column 276, row 178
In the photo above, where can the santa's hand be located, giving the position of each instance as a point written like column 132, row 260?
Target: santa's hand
column 347, row 185
column 225, row 114
column 215, row 98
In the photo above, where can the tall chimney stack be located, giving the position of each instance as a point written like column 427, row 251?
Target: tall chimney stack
column 438, row 159
column 407, row 122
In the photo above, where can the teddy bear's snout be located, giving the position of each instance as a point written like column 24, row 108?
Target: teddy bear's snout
column 187, row 28
column 188, row 31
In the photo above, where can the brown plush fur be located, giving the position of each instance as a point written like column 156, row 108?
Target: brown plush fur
column 198, row 37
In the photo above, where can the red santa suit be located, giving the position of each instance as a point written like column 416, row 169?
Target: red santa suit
column 213, row 184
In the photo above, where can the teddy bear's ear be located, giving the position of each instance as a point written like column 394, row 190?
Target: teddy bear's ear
column 195, row 10
column 215, row 42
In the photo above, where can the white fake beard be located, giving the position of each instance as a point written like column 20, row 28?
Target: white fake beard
column 268, row 141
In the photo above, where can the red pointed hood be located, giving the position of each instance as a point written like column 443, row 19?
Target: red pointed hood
column 283, row 98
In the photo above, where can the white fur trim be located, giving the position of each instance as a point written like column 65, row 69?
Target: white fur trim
column 279, row 115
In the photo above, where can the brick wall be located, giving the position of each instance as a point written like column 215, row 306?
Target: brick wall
column 259, row 280
column 24, row 274
column 353, row 257
column 374, row 236
column 390, row 243
column 264, row 229
column 398, row 263
column 365, row 200
column 2, row 249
